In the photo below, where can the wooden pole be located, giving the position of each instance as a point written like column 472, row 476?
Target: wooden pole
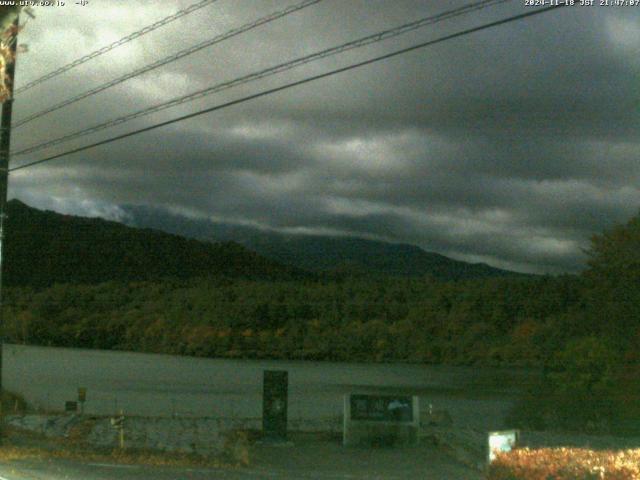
column 5, row 145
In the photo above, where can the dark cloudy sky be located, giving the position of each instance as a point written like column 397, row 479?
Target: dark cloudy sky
column 511, row 146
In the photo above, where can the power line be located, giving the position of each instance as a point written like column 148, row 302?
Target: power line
column 117, row 43
column 361, row 42
column 171, row 58
column 294, row 84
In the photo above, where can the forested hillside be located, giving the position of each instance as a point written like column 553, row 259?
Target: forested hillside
column 92, row 283
column 45, row 248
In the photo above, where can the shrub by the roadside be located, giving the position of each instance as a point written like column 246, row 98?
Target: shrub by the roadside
column 565, row 464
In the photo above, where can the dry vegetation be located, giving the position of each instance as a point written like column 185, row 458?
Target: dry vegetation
column 566, row 464
column 24, row 445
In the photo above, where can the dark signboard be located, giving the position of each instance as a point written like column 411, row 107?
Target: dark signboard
column 70, row 406
column 274, row 404
column 382, row 408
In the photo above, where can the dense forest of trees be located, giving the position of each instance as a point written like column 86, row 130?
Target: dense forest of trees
column 384, row 319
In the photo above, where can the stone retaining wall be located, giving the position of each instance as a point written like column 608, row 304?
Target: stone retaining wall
column 204, row 436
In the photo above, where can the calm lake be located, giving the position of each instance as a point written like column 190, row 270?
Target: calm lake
column 165, row 385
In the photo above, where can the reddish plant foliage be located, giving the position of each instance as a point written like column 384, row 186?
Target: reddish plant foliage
column 565, row 464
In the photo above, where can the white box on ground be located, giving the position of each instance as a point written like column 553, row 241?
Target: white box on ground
column 502, row 441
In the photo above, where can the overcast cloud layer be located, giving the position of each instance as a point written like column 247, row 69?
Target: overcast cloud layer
column 511, row 146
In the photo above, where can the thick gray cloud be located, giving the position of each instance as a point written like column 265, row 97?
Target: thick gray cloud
column 510, row 146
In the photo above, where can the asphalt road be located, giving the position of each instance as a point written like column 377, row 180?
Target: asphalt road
column 65, row 470
column 303, row 461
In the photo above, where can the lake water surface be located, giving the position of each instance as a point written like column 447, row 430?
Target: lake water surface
column 165, row 385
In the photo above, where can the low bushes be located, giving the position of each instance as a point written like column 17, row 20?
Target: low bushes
column 565, row 464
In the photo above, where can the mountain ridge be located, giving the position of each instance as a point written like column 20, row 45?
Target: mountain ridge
column 319, row 253
column 44, row 247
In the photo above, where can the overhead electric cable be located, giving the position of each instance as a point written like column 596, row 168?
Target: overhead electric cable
column 171, row 58
column 294, row 84
column 361, row 42
column 117, row 43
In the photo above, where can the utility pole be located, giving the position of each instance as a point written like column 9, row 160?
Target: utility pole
column 5, row 145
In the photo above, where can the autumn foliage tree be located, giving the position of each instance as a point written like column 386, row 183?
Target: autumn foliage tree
column 614, row 284
column 592, row 380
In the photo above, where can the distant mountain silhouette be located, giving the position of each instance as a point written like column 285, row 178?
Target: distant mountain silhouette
column 315, row 252
column 43, row 247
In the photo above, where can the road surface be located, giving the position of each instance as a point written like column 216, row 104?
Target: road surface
column 302, row 461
